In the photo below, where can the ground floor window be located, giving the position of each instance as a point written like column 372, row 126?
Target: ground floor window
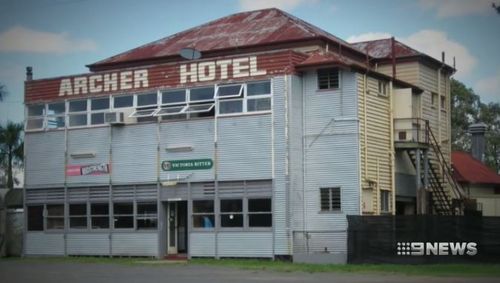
column 35, row 218
column 203, row 214
column 260, row 212
column 55, row 216
column 123, row 215
column 234, row 213
column 231, row 213
column 147, row 216
column 99, row 215
column 78, row 216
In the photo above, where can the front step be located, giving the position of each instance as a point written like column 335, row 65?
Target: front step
column 176, row 257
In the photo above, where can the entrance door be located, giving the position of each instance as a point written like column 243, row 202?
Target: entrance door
column 177, row 227
column 172, row 227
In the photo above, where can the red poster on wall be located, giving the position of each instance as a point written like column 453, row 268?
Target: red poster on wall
column 90, row 169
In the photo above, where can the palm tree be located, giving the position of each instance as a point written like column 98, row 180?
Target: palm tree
column 11, row 148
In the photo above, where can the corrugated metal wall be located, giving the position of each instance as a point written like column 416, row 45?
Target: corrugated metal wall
column 95, row 141
column 88, row 243
column 40, row 243
column 331, row 153
column 44, row 159
column 134, row 153
column 134, row 244
column 281, row 219
column 296, row 154
column 198, row 134
column 244, row 147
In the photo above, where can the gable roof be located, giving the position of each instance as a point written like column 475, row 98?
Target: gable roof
column 467, row 169
column 381, row 49
column 254, row 28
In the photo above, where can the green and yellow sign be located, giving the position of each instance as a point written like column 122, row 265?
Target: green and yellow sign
column 190, row 164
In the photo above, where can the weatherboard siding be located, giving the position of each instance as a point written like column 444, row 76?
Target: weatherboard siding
column 376, row 165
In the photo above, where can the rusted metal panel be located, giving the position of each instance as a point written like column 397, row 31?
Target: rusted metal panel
column 262, row 27
column 160, row 76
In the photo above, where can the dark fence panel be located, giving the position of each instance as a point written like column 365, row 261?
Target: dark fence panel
column 374, row 239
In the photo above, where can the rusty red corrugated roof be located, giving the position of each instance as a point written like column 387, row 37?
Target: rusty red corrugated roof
column 238, row 30
column 382, row 48
column 467, row 169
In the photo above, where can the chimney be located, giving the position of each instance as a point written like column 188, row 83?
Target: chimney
column 29, row 73
column 478, row 141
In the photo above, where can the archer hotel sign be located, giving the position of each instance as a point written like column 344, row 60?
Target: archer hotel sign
column 137, row 79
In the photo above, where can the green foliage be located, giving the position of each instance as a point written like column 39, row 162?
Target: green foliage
column 3, row 92
column 467, row 108
column 11, row 149
column 464, row 111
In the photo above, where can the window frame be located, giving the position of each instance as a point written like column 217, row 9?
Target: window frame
column 245, row 99
column 40, row 227
column 241, row 93
column 166, row 91
column 48, row 217
column 92, row 216
column 114, row 97
column 86, row 216
column 250, row 213
column 60, row 115
column 35, row 117
column 195, row 214
column 99, row 111
column 383, row 88
column 240, row 213
column 81, row 112
column 331, row 208
column 115, row 215
column 329, row 87
column 188, row 94
column 146, row 216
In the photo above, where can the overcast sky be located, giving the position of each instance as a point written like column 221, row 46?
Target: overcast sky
column 59, row 37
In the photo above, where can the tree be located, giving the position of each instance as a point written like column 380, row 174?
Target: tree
column 11, row 148
column 490, row 115
column 3, row 91
column 465, row 106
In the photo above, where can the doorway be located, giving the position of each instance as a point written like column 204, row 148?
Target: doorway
column 177, row 227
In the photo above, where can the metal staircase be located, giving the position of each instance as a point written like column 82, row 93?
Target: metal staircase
column 440, row 181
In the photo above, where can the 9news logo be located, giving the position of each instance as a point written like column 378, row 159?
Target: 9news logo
column 436, row 248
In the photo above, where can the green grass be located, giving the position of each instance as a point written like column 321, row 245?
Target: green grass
column 433, row 270
column 458, row 270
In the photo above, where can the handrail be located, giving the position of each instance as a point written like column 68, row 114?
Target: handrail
column 442, row 161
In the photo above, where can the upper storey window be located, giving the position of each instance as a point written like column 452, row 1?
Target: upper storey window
column 35, row 117
column 328, row 78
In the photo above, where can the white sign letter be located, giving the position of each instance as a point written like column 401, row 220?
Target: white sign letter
column 110, row 82
column 239, row 70
column 65, row 87
column 253, row 68
column 202, row 74
column 93, row 88
column 223, row 68
column 80, row 85
column 126, row 80
column 141, row 78
column 193, row 74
